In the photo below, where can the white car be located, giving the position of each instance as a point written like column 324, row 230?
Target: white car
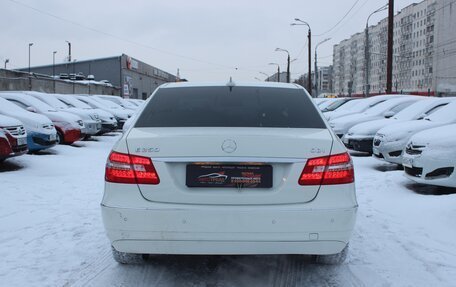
column 68, row 126
column 360, row 107
column 92, row 123
column 429, row 156
column 386, row 109
column 41, row 133
column 391, row 140
column 289, row 187
column 108, row 120
column 118, row 100
column 16, row 137
column 121, row 114
column 361, row 136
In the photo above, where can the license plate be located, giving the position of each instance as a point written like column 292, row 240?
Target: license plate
column 52, row 137
column 216, row 175
column 407, row 162
column 21, row 141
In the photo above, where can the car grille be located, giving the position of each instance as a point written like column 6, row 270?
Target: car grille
column 414, row 171
column 414, row 149
column 395, row 153
column 16, row 131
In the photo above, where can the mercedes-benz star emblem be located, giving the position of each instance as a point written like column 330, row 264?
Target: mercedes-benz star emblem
column 229, row 146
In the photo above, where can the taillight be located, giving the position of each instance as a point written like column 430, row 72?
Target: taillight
column 333, row 169
column 125, row 168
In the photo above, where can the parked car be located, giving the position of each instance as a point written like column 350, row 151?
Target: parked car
column 360, row 107
column 294, row 200
column 118, row 100
column 391, row 140
column 13, row 138
column 41, row 133
column 328, row 102
column 336, row 104
column 137, row 102
column 92, row 123
column 108, row 121
column 121, row 114
column 68, row 126
column 386, row 109
column 429, row 156
column 362, row 135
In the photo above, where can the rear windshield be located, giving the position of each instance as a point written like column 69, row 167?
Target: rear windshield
column 235, row 107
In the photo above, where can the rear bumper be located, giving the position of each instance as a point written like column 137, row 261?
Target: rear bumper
column 222, row 230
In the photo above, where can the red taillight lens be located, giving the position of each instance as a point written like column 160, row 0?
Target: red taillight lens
column 333, row 169
column 125, row 168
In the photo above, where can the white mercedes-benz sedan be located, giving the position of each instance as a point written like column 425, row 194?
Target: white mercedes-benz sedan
column 229, row 169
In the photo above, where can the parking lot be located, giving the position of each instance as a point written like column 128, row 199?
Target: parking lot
column 52, row 234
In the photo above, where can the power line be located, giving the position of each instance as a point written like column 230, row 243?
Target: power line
column 118, row 37
column 346, row 14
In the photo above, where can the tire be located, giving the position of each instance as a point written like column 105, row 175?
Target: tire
column 128, row 258
column 60, row 138
column 333, row 259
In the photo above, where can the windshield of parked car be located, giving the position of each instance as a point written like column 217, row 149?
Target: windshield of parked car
column 413, row 111
column 72, row 102
column 8, row 107
column 52, row 101
column 335, row 105
column 230, row 107
column 37, row 104
column 107, row 103
column 365, row 104
column 446, row 114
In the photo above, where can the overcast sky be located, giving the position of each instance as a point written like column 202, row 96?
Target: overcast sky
column 207, row 40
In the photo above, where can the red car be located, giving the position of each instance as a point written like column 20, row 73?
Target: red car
column 13, row 138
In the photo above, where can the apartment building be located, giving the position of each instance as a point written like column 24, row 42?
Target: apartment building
column 424, row 59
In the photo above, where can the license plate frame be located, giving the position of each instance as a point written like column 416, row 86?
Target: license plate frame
column 229, row 176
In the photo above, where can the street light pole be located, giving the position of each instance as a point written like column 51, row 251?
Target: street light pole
column 389, row 59
column 316, row 66
column 288, row 62
column 278, row 71
column 309, row 39
column 367, row 52
column 69, row 51
column 6, row 62
column 29, row 74
column 53, row 68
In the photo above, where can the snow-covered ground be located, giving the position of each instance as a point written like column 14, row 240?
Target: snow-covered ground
column 51, row 233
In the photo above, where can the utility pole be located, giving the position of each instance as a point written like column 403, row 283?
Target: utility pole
column 309, row 38
column 278, row 71
column 69, row 51
column 53, row 68
column 6, row 62
column 29, row 74
column 389, row 64
column 288, row 62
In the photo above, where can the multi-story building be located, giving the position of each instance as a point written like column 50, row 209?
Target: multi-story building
column 424, row 57
column 324, row 80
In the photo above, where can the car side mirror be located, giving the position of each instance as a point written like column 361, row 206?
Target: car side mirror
column 389, row 114
column 31, row 109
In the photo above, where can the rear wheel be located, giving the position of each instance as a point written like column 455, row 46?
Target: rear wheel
column 128, row 258
column 333, row 259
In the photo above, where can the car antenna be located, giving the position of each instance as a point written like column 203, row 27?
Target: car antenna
column 231, row 84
